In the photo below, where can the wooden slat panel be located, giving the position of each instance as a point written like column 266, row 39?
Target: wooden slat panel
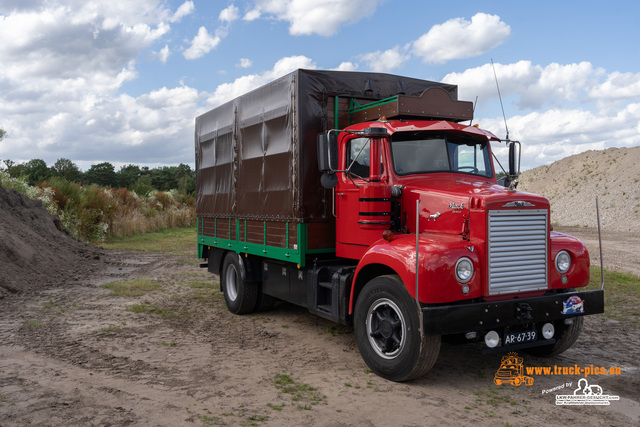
column 277, row 234
column 293, row 235
column 222, row 230
column 255, row 232
column 207, row 227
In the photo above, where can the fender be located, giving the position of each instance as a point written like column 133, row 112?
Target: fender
column 578, row 274
column 437, row 260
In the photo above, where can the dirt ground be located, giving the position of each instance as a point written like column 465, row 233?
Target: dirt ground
column 72, row 354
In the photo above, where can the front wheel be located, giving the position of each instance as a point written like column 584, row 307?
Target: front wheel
column 240, row 296
column 387, row 328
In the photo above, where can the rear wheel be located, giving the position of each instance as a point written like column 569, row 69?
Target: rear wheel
column 240, row 296
column 387, row 328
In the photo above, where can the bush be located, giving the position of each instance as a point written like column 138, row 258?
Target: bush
column 94, row 213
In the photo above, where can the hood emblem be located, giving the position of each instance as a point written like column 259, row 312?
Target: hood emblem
column 518, row 204
column 434, row 217
column 454, row 206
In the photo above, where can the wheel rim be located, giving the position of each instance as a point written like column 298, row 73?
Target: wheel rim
column 386, row 328
column 231, row 282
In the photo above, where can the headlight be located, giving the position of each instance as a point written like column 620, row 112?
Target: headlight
column 464, row 270
column 563, row 262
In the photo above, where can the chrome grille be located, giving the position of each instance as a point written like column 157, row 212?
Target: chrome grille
column 517, row 251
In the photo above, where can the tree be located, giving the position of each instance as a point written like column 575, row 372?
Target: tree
column 164, row 178
column 3, row 133
column 143, row 186
column 187, row 184
column 183, row 170
column 14, row 170
column 129, row 175
column 102, row 174
column 37, row 171
column 66, row 169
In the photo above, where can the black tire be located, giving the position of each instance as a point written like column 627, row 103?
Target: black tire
column 566, row 336
column 241, row 297
column 387, row 328
column 265, row 302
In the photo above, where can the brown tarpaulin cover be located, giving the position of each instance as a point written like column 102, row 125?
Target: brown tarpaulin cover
column 256, row 154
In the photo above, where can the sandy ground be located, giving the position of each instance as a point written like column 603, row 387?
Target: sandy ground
column 75, row 355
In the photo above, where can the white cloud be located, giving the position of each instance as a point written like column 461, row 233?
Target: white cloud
column 386, row 61
column 245, row 63
column 459, row 38
column 185, row 9
column 325, row 18
column 550, row 135
column 252, row 15
column 560, row 109
column 227, row 91
column 346, row 66
column 536, row 86
column 201, row 44
column 163, row 54
column 229, row 14
column 63, row 65
column 619, row 86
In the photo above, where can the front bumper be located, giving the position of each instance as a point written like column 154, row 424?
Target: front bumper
column 519, row 312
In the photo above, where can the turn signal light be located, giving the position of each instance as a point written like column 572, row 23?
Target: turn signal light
column 387, row 235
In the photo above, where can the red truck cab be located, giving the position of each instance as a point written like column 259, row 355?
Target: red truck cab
column 488, row 263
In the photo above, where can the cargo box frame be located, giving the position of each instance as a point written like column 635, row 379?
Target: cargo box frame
column 258, row 187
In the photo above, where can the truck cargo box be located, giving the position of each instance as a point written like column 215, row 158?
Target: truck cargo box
column 257, row 182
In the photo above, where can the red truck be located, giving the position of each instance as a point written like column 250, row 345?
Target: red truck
column 364, row 198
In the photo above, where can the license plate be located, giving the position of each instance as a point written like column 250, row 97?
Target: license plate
column 520, row 337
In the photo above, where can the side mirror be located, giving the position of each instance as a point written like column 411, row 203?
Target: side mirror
column 327, row 151
column 514, row 159
column 328, row 180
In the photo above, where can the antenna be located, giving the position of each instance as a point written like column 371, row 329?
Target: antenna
column 474, row 111
column 500, row 96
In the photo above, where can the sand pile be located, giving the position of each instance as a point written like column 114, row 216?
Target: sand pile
column 34, row 249
column 571, row 185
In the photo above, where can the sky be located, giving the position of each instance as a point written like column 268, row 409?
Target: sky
column 121, row 81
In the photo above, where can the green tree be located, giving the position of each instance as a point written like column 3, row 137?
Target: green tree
column 66, row 169
column 3, row 133
column 102, row 174
column 164, row 178
column 187, row 184
column 128, row 175
column 37, row 171
column 14, row 170
column 143, row 186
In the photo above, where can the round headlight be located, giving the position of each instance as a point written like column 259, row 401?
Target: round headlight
column 563, row 262
column 464, row 270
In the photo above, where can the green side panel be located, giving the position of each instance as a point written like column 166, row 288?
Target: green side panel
column 295, row 255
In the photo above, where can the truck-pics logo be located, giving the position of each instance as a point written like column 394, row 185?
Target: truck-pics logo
column 511, row 371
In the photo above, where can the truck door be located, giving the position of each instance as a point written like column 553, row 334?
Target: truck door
column 352, row 240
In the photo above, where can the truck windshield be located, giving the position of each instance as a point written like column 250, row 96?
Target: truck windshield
column 423, row 152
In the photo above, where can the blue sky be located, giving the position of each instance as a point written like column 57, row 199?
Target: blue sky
column 122, row 81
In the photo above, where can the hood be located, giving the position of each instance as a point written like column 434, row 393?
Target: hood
column 447, row 201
